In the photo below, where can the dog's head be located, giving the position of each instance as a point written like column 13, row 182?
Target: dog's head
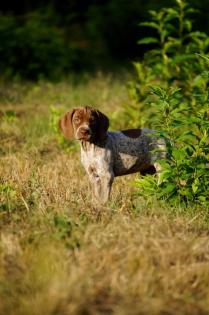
column 84, row 123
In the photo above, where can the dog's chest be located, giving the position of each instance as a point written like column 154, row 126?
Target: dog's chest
column 95, row 157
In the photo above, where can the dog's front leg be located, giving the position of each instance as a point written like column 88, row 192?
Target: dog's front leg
column 101, row 184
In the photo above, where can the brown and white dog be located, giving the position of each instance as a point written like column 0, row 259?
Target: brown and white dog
column 106, row 155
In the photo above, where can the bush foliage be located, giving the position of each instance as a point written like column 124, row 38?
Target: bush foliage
column 171, row 94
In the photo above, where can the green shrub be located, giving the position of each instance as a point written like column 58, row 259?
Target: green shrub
column 185, row 175
column 176, row 72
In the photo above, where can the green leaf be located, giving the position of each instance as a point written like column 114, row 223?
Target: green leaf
column 179, row 154
column 148, row 40
column 185, row 191
column 172, row 13
column 198, row 34
column 164, row 176
column 202, row 198
column 153, row 13
column 188, row 25
column 168, row 189
column 150, row 24
column 175, row 91
column 204, row 57
column 195, row 187
column 158, row 91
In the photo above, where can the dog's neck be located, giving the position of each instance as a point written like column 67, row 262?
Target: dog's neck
column 86, row 145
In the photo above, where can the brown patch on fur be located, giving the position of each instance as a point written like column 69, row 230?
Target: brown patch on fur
column 82, row 115
column 92, row 169
column 65, row 124
column 132, row 133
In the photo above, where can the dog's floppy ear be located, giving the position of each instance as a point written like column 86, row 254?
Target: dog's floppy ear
column 103, row 125
column 65, row 124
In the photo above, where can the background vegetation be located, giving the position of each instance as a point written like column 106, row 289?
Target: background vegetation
column 51, row 38
column 147, row 251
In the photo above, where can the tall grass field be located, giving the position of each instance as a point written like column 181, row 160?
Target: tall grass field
column 147, row 250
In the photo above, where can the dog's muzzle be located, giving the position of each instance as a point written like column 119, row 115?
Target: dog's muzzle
column 83, row 133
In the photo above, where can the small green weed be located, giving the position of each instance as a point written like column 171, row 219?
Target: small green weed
column 8, row 197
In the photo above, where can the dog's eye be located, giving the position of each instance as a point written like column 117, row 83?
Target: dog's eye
column 76, row 120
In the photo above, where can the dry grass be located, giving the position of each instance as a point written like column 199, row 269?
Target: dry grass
column 60, row 254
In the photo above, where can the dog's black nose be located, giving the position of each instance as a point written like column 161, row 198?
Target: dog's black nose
column 85, row 131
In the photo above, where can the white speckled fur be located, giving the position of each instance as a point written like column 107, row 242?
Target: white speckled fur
column 119, row 155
